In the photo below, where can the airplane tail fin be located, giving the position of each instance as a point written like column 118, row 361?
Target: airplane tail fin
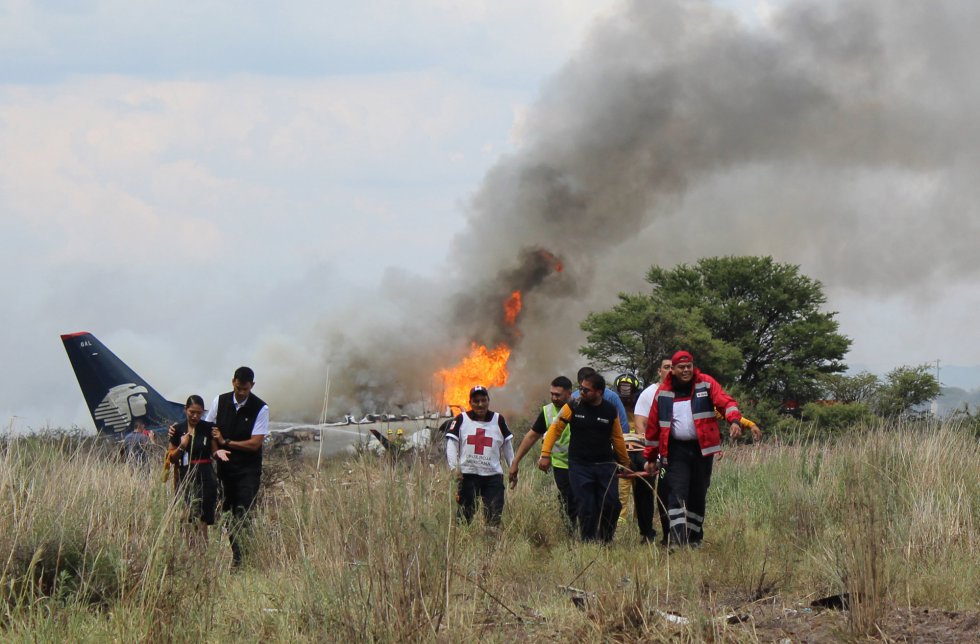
column 114, row 393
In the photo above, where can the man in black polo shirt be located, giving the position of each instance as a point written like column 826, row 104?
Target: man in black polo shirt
column 241, row 425
column 595, row 447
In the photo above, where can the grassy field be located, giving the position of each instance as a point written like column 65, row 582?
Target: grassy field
column 94, row 550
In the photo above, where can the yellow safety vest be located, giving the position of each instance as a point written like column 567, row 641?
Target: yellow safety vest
column 559, row 453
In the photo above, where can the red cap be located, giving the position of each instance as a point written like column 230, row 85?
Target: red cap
column 681, row 357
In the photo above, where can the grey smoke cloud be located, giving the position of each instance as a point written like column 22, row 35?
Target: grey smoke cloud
column 671, row 96
column 841, row 136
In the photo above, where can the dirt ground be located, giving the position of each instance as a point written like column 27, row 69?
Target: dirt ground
column 771, row 620
column 805, row 624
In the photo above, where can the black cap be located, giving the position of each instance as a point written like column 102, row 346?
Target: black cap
column 479, row 389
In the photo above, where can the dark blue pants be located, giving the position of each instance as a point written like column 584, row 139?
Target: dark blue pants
column 596, row 491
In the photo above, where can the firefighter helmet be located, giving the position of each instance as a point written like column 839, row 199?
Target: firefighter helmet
column 630, row 379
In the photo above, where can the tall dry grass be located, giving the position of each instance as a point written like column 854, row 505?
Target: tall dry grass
column 366, row 551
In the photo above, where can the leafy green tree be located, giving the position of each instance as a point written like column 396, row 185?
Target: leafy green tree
column 761, row 316
column 862, row 387
column 905, row 388
column 636, row 333
column 769, row 311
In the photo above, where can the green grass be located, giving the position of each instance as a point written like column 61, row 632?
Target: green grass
column 92, row 550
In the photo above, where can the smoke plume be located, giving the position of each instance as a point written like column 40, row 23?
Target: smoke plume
column 837, row 135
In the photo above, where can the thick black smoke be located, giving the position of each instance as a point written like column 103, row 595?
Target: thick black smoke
column 479, row 314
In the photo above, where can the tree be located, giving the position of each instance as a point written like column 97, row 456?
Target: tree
column 769, row 311
column 764, row 313
column 905, row 388
column 635, row 334
column 862, row 387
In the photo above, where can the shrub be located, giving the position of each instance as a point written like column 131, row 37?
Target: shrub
column 833, row 419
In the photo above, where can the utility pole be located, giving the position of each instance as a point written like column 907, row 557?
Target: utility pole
column 323, row 416
column 934, row 408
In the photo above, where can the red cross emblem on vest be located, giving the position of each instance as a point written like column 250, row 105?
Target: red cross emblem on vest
column 480, row 440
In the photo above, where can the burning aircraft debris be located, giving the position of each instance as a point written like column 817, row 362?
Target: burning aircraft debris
column 488, row 366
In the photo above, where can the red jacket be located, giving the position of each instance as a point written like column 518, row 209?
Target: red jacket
column 706, row 396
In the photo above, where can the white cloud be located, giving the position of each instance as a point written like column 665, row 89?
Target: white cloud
column 127, row 201
column 116, row 162
column 509, row 40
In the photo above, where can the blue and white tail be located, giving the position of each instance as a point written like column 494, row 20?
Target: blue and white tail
column 115, row 394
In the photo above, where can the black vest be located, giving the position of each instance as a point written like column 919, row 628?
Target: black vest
column 238, row 425
column 591, row 438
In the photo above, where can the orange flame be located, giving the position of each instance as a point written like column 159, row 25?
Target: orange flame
column 512, row 307
column 487, row 367
column 555, row 262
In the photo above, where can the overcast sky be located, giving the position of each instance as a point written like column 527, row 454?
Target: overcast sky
column 204, row 185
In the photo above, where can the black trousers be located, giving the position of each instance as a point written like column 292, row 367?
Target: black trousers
column 688, row 475
column 490, row 490
column 645, row 486
column 240, row 488
column 643, row 498
column 663, row 497
column 596, row 491
column 201, row 491
column 566, row 496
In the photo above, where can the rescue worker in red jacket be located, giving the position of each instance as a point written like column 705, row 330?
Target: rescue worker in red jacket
column 683, row 431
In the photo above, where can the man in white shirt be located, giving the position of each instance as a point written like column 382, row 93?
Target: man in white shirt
column 241, row 424
column 643, row 488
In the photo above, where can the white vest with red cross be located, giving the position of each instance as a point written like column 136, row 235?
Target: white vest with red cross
column 479, row 445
